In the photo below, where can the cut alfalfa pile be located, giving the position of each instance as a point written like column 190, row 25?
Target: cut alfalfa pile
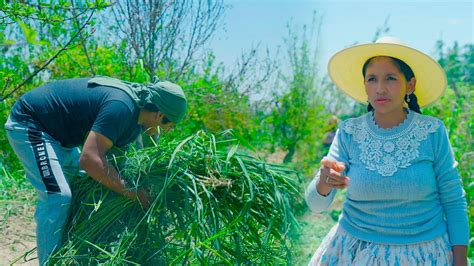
column 212, row 205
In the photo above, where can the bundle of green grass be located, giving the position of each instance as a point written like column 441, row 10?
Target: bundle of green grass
column 212, row 205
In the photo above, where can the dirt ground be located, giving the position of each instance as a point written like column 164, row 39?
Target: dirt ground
column 18, row 237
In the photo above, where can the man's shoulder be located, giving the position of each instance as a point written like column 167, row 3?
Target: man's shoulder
column 115, row 98
column 120, row 106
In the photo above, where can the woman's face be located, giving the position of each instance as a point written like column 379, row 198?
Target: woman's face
column 386, row 86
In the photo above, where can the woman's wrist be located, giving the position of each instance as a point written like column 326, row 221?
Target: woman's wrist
column 323, row 189
column 460, row 255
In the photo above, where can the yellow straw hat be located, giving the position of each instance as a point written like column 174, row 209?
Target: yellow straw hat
column 345, row 69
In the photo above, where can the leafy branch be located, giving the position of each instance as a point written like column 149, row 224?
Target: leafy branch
column 65, row 47
column 39, row 12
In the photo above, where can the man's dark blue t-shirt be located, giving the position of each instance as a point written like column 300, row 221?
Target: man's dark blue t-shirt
column 68, row 109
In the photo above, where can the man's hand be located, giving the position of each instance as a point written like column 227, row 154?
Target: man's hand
column 330, row 176
column 144, row 198
column 94, row 162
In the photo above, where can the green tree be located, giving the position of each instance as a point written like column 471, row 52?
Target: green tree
column 298, row 114
column 456, row 109
column 36, row 33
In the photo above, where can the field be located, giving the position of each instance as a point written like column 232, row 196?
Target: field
column 20, row 237
column 18, row 227
column 280, row 105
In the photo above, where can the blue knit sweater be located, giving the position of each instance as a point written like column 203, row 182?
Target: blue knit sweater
column 404, row 187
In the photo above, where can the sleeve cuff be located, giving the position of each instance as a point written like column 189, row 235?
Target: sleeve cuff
column 315, row 201
column 459, row 234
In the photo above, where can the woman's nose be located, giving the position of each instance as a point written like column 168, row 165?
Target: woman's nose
column 380, row 88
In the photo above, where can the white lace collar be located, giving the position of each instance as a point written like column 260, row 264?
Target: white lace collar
column 387, row 150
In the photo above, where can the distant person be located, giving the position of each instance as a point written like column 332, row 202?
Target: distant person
column 405, row 204
column 48, row 124
column 330, row 134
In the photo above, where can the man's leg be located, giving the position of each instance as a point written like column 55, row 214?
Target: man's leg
column 42, row 158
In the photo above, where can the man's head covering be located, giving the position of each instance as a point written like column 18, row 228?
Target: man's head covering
column 167, row 96
column 170, row 99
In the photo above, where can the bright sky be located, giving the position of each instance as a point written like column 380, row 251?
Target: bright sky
column 419, row 23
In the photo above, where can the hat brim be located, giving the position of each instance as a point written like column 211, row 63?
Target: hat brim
column 345, row 70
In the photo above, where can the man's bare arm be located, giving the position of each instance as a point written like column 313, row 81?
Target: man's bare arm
column 93, row 161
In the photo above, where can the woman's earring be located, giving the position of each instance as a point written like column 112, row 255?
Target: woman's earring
column 407, row 98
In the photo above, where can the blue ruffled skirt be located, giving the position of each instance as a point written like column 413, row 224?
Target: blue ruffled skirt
column 340, row 248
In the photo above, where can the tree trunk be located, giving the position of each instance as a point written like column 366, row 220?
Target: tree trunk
column 289, row 156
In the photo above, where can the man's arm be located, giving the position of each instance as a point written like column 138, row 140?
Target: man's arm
column 94, row 162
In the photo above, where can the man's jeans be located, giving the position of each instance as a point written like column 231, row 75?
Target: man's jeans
column 48, row 167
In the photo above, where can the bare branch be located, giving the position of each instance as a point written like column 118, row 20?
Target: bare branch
column 89, row 8
column 166, row 34
column 83, row 41
column 384, row 29
column 7, row 83
column 15, row 13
